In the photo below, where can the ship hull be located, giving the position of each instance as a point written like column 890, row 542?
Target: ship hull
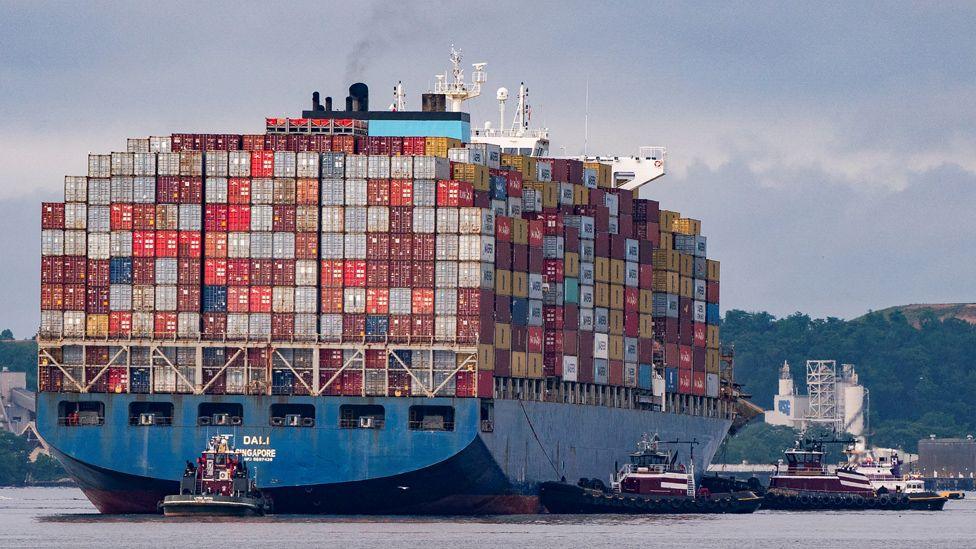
column 473, row 469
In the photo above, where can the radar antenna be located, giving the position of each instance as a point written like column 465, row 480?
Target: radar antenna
column 457, row 92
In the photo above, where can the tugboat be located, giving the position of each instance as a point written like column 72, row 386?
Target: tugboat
column 807, row 484
column 652, row 483
column 219, row 484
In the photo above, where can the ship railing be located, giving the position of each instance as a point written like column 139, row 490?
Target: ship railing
column 81, row 421
column 355, row 423
column 156, row 420
column 420, row 425
column 175, row 338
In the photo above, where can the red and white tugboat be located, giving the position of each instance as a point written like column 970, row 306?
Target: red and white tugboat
column 808, row 484
column 652, row 483
column 219, row 484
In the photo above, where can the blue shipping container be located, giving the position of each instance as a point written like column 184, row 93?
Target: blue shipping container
column 711, row 314
column 571, row 290
column 644, row 376
column 498, row 187
column 671, row 380
column 601, row 371
column 405, row 356
column 214, row 299
column 140, row 380
column 520, row 311
column 282, row 382
column 120, row 270
column 377, row 327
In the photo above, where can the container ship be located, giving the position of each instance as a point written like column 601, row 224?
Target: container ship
column 388, row 311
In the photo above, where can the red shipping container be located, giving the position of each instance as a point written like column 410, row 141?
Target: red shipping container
column 503, row 228
column 401, row 246
column 378, row 192
column 143, row 270
column 331, row 300
column 307, row 192
column 631, row 323
column 503, row 363
column 377, row 274
column 306, row 245
column 352, row 381
column 401, row 192
column 260, row 299
column 119, row 323
column 423, row 274
column 513, row 183
column 553, row 270
column 464, row 383
column 97, row 300
column 214, row 325
column 377, row 301
column 143, row 217
column 552, row 224
column 283, row 272
column 238, row 218
column 188, row 298
column 238, row 299
column 191, row 190
column 353, row 327
column 262, row 164
column 261, row 272
column 52, row 215
column 120, row 217
column 684, row 382
column 187, row 271
column 684, row 357
column 52, row 297
column 698, row 359
column 331, row 273
column 283, row 327
column 345, row 144
column 330, row 359
column 423, row 327
column 401, row 220
column 167, row 243
column 215, row 272
column 52, row 269
column 646, row 276
column 553, row 341
column 283, row 219
column 553, row 318
column 698, row 383
column 486, row 384
column 167, row 189
column 473, row 301
column 699, row 331
column 400, row 274
column 239, row 191
column 98, row 272
column 378, row 246
column 672, row 357
column 399, row 331
column 74, row 297
column 424, row 247
column 215, row 217
column 165, row 325
column 215, row 245
column 190, row 244
column 616, row 372
column 536, row 233
column 711, row 292
column 144, row 243
column 252, row 142
column 470, row 331
column 75, row 269
column 503, row 309
column 354, row 273
column 534, row 339
column 422, row 301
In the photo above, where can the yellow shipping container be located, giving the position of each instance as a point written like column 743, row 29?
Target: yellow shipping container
column 96, row 325
column 667, row 241
column 712, row 361
column 616, row 296
column 601, row 294
column 666, row 220
column 618, row 271
column 645, row 303
column 571, row 265
column 616, row 350
column 503, row 336
column 524, row 164
column 603, row 179
column 520, row 230
column 601, row 269
column 646, row 326
column 666, row 281
column 615, row 322
column 476, row 174
column 711, row 337
column 687, row 265
column 686, row 287
column 520, row 284
column 519, row 365
column 713, row 270
column 550, row 194
column 438, row 146
column 503, row 282
column 581, row 195
column 535, row 365
column 486, row 356
column 687, row 226
column 666, row 260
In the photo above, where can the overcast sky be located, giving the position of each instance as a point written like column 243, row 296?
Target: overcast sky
column 829, row 149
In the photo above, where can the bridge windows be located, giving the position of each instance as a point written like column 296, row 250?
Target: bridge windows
column 81, row 413
column 361, row 416
column 431, row 418
column 148, row 414
column 220, row 413
column 292, row 415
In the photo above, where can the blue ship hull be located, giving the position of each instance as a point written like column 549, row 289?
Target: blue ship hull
column 392, row 470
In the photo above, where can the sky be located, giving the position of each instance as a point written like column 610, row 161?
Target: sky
column 829, row 148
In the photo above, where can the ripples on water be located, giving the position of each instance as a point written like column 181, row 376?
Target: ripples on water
column 62, row 517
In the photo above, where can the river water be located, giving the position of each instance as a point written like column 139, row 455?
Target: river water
column 62, row 517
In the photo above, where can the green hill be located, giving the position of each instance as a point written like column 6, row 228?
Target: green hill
column 921, row 371
column 919, row 312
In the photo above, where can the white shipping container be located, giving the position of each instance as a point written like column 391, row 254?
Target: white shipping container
column 285, row 164
column 330, row 327
column 586, row 299
column 120, row 297
column 631, row 274
column 306, row 272
column 284, row 246
column 698, row 309
column 355, row 246
column 424, row 192
column 137, row 145
column 400, row 301
column 306, row 219
column 239, row 164
column 99, row 165
column 188, row 325
column 99, row 191
column 447, row 220
column 471, row 220
column 487, row 276
column 601, row 346
column 612, row 202
column 356, row 166
column 333, row 192
column 566, row 194
column 237, row 325
column 165, row 298
column 305, row 326
column 262, row 217
column 308, row 164
column 473, row 247
column 143, row 297
column 333, row 219
column 238, row 245
column 466, row 155
column 446, row 274
column 331, row 246
column 378, row 166
column 262, row 191
column 306, row 299
column 98, row 219
column 190, row 217
column 142, row 324
column 71, row 243
column 216, row 190
column 354, row 300
column 166, row 271
column 446, row 247
column 284, row 191
column 191, row 163
column 120, row 244
column 445, row 301
column 168, row 163
column 355, row 218
column 216, row 163
column 492, row 154
column 75, row 188
column 121, row 191
column 167, row 217
column 445, row 328
column 355, row 193
column 587, row 273
column 74, row 323
column 498, row 207
column 99, row 246
column 431, row 167
column 586, row 320
column 283, row 299
column 514, row 207
column 401, row 167
column 144, row 190
column 570, row 368
column 535, row 285
column 75, row 215
column 52, row 323
column 163, row 144
column 261, row 245
column 259, row 326
column 378, row 219
column 469, row 274
column 424, row 220
column 543, row 170
column 332, row 164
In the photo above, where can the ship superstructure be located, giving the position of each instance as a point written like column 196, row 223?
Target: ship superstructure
column 387, row 316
